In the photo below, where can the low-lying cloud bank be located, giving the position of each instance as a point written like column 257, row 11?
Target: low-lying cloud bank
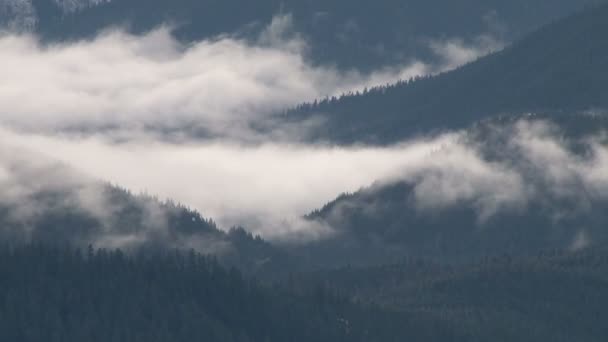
column 265, row 188
column 157, row 116
column 268, row 188
column 45, row 200
column 517, row 163
column 218, row 87
column 510, row 169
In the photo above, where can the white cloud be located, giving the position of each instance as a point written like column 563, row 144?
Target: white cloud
column 268, row 187
column 455, row 52
column 232, row 183
column 458, row 174
column 219, row 86
column 123, row 80
column 100, row 106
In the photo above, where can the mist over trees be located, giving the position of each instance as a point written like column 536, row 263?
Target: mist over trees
column 493, row 228
column 89, row 212
column 561, row 68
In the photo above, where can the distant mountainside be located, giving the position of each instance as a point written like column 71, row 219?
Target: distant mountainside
column 52, row 205
column 561, row 68
column 558, row 74
column 511, row 200
column 107, row 295
column 63, row 294
column 552, row 296
column 17, row 15
column 348, row 34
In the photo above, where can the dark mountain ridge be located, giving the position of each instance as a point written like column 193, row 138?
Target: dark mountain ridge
column 342, row 33
column 65, row 294
column 386, row 222
column 561, row 68
column 79, row 212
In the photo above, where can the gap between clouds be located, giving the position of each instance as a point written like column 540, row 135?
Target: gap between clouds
column 265, row 188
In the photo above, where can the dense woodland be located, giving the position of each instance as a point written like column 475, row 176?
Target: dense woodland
column 562, row 68
column 382, row 223
column 132, row 222
column 149, row 270
column 104, row 295
column 62, row 294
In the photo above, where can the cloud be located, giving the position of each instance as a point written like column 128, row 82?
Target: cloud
column 527, row 168
column 180, row 121
column 455, row 52
column 516, row 164
column 268, row 187
column 42, row 199
column 219, row 87
column 458, row 174
column 119, row 80
column 234, row 184
column 563, row 168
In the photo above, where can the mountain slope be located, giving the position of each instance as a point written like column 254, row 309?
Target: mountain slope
column 552, row 296
column 345, row 33
column 63, row 294
column 514, row 186
column 49, row 294
column 563, row 67
column 50, row 203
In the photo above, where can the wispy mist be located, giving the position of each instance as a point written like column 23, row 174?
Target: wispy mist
column 513, row 169
column 217, row 87
column 177, row 120
column 268, row 188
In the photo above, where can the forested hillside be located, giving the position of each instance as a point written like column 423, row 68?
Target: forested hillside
column 62, row 294
column 562, row 68
column 105, row 295
column 474, row 203
column 553, row 296
column 343, row 33
column 529, row 200
column 88, row 212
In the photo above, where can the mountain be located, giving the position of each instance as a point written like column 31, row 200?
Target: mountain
column 516, row 185
column 105, row 295
column 561, row 68
column 504, row 185
column 343, row 33
column 566, row 57
column 552, row 296
column 52, row 204
column 493, row 228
